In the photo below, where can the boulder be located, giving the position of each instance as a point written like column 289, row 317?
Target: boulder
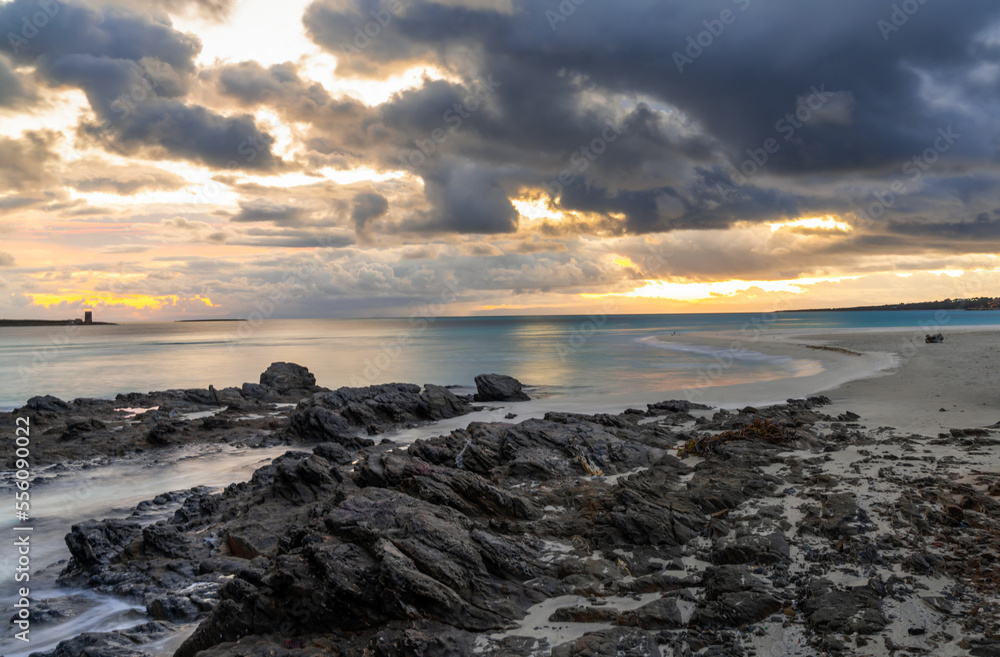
column 287, row 378
column 97, row 543
column 498, row 387
column 120, row 643
column 47, row 404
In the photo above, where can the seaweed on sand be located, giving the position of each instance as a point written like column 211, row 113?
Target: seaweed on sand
column 760, row 430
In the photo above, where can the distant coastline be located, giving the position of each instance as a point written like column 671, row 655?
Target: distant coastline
column 979, row 303
column 180, row 321
column 50, row 322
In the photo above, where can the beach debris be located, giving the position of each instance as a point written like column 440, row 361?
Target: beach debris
column 839, row 350
column 762, row 430
column 932, row 339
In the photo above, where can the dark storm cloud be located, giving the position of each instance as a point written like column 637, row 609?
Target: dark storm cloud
column 295, row 239
column 368, row 206
column 12, row 92
column 836, row 92
column 134, row 69
column 984, row 228
column 252, row 83
column 465, row 198
column 280, row 214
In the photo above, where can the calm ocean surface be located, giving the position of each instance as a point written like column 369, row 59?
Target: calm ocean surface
column 566, row 355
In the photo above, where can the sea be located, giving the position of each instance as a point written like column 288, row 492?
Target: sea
column 582, row 357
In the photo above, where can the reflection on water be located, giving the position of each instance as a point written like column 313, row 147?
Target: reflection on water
column 603, row 354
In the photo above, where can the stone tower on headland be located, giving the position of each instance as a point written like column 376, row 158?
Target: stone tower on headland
column 88, row 317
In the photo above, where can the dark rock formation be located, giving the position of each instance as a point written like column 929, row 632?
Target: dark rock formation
column 444, row 548
column 498, row 387
column 346, row 415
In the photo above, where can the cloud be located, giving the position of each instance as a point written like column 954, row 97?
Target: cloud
column 984, row 228
column 280, row 214
column 368, row 206
column 825, row 86
column 12, row 91
column 125, row 248
column 97, row 176
column 213, row 9
column 25, row 162
column 6, row 259
column 179, row 229
column 465, row 198
column 135, row 69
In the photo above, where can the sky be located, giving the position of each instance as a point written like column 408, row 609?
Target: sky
column 177, row 159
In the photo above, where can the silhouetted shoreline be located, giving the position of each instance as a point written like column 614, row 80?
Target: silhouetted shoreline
column 50, row 322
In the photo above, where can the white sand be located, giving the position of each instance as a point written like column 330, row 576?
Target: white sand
column 898, row 380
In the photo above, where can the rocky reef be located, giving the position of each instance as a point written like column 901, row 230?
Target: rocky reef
column 285, row 407
column 784, row 530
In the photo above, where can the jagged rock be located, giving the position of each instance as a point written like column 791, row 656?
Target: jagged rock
column 735, row 609
column 358, row 548
column 619, row 641
column 251, row 540
column 120, row 643
column 164, row 540
column 78, row 428
column 675, row 406
column 498, row 387
column 289, row 380
column 838, row 516
column 46, row 404
column 163, row 433
column 58, row 610
column 662, row 614
column 343, row 415
column 259, row 393
column 443, row 403
column 830, row 609
column 93, row 544
column 334, row 453
column 720, row 580
column 754, row 548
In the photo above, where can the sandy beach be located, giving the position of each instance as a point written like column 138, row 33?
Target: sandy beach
column 896, row 380
column 927, row 415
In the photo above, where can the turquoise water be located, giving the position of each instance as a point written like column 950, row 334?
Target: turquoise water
column 566, row 355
